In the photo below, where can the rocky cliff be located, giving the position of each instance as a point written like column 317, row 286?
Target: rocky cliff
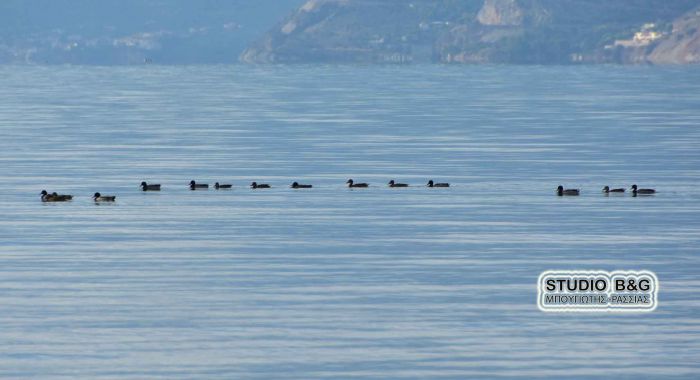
column 683, row 43
column 484, row 31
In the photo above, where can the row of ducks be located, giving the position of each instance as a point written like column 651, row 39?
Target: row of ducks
column 97, row 197
column 561, row 191
column 295, row 185
column 54, row 197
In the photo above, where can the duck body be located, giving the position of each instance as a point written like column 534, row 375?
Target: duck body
column 297, row 185
column 569, row 192
column 197, row 186
column 103, row 198
column 352, row 184
column 256, row 185
column 218, row 186
column 636, row 190
column 55, row 197
column 147, row 187
column 608, row 190
column 395, row 184
column 61, row 197
column 433, row 184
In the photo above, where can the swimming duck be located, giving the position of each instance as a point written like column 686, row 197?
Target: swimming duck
column 255, row 185
column 608, row 190
column 195, row 186
column 217, row 186
column 561, row 191
column 103, row 198
column 433, row 184
column 394, row 184
column 296, row 185
column 636, row 191
column 54, row 197
column 352, row 184
column 147, row 187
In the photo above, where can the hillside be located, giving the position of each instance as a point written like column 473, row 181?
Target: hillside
column 484, row 31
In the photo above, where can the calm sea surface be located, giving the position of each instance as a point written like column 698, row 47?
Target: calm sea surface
column 332, row 282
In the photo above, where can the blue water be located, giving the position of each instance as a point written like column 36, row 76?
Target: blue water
column 332, row 282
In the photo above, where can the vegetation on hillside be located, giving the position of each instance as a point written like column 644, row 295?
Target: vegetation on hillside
column 468, row 31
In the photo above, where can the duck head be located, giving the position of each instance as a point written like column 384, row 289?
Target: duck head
column 606, row 189
column 431, row 183
column 349, row 182
column 295, row 185
column 634, row 187
column 97, row 195
column 44, row 193
column 560, row 190
column 254, row 185
column 391, row 183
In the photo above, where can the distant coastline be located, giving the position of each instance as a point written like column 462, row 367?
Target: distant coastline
column 182, row 32
column 488, row 31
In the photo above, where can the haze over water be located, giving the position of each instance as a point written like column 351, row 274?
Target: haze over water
column 331, row 282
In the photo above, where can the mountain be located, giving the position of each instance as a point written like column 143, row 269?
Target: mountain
column 125, row 32
column 484, row 31
column 108, row 32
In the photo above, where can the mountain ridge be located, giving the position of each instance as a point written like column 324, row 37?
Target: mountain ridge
column 484, row 31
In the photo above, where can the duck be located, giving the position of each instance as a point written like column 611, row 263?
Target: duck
column 54, row 197
column 352, row 184
column 103, row 198
column 147, row 187
column 561, row 191
column 636, row 191
column 194, row 185
column 296, row 185
column 218, row 186
column 394, row 184
column 433, row 184
column 255, row 185
column 608, row 190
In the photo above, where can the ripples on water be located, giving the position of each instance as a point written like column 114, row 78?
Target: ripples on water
column 327, row 283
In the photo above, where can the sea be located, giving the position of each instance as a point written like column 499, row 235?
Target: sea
column 332, row 282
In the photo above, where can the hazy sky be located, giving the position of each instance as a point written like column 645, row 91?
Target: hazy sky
column 122, row 31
